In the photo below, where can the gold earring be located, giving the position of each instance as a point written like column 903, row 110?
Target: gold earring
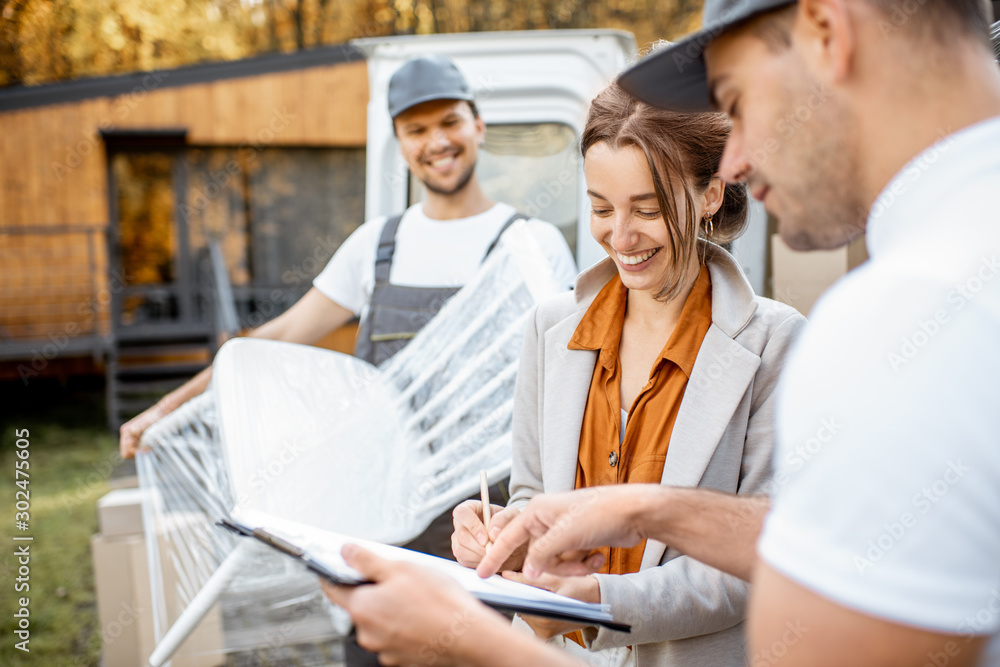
column 711, row 227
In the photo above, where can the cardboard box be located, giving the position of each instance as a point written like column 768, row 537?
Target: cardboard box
column 124, row 594
column 119, row 513
column 124, row 601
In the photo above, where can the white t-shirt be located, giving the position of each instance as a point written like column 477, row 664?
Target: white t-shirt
column 887, row 460
column 430, row 253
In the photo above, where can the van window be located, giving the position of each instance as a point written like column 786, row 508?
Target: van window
column 534, row 168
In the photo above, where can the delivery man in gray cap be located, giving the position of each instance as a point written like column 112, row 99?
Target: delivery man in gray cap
column 395, row 273
column 882, row 545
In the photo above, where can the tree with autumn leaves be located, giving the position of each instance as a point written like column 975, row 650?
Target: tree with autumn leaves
column 42, row 41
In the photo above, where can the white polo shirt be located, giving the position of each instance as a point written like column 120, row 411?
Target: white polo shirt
column 887, row 460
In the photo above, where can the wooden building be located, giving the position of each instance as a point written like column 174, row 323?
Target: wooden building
column 114, row 190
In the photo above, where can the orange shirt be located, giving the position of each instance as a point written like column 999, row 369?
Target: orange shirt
column 640, row 456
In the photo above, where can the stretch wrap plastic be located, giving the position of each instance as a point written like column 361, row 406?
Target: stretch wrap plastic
column 326, row 439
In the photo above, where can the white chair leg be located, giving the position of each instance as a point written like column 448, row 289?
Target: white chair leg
column 199, row 606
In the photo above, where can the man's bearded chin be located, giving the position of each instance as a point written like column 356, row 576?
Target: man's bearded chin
column 462, row 183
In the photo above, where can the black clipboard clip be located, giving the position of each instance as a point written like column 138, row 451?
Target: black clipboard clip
column 290, row 549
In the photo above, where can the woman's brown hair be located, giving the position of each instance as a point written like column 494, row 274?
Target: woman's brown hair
column 679, row 147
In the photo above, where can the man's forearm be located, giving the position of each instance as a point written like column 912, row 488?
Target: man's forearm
column 197, row 385
column 502, row 646
column 718, row 529
column 133, row 429
column 178, row 397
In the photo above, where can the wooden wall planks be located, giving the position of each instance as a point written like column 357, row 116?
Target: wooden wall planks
column 55, row 162
column 54, row 165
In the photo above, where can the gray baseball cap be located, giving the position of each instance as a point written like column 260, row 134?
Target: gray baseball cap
column 423, row 79
column 674, row 77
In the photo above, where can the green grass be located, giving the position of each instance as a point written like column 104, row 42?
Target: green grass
column 70, row 466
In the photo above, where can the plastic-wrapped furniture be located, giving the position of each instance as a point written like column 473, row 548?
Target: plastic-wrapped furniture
column 329, row 440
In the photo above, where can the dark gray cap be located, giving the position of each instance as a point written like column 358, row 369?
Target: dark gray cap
column 674, row 77
column 424, row 79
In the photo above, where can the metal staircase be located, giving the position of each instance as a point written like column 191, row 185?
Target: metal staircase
column 143, row 367
column 148, row 361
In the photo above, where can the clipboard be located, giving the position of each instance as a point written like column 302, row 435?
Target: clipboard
column 571, row 610
column 292, row 551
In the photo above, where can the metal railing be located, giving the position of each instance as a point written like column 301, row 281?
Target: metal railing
column 53, row 298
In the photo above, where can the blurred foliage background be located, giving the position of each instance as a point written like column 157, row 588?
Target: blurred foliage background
column 42, row 41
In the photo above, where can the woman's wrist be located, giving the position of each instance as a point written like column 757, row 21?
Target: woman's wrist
column 593, row 590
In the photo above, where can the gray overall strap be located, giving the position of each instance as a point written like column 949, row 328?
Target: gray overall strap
column 397, row 312
column 510, row 221
column 386, row 248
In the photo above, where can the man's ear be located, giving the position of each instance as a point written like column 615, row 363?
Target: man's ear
column 827, row 36
column 481, row 129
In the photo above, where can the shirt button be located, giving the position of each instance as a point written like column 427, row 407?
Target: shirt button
column 613, row 459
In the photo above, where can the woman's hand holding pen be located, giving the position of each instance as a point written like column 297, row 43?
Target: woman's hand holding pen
column 564, row 529
column 470, row 540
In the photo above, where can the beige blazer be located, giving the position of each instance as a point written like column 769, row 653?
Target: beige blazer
column 682, row 612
